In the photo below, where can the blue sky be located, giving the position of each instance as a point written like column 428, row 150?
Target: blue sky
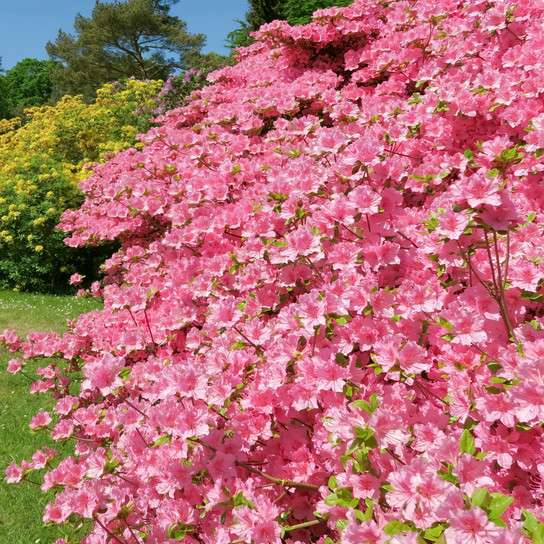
column 27, row 25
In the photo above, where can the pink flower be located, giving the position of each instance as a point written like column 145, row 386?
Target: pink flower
column 367, row 531
column 75, row 279
column 14, row 473
column 15, row 365
column 471, row 527
column 40, row 420
column 452, row 224
column 417, row 493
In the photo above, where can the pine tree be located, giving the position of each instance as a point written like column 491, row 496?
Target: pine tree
column 122, row 39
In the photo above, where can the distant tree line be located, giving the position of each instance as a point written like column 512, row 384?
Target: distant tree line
column 120, row 40
column 127, row 39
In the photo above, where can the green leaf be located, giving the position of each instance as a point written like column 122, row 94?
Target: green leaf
column 396, row 527
column 533, row 297
column 530, row 522
column 445, row 324
column 160, row 441
column 433, row 533
column 494, row 366
column 341, row 497
column 498, row 505
column 342, row 320
column 481, row 497
column 124, row 374
column 493, row 173
column 538, row 534
column 467, row 443
column 364, row 516
column 469, row 154
column 110, row 466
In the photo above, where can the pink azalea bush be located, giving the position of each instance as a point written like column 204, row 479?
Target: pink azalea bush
column 325, row 323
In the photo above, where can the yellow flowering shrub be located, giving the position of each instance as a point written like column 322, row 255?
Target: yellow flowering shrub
column 41, row 164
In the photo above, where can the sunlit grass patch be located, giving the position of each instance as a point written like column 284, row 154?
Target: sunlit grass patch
column 27, row 312
column 21, row 505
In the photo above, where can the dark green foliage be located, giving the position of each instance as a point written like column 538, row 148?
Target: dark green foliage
column 259, row 13
column 27, row 84
column 239, row 37
column 264, row 11
column 299, row 12
column 123, row 39
column 4, row 104
column 3, row 94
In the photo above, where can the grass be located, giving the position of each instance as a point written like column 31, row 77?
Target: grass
column 21, row 505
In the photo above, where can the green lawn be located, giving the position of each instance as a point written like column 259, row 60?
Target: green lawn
column 21, row 505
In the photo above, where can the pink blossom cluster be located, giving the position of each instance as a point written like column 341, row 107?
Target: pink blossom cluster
column 325, row 323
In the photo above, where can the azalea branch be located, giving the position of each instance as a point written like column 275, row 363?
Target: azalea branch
column 215, row 411
column 313, row 267
column 107, row 530
column 492, row 266
column 132, row 316
column 507, row 259
column 513, row 33
column 406, row 238
column 473, row 270
column 278, row 481
column 142, row 436
column 193, row 250
column 29, row 378
column 202, row 443
column 428, row 391
column 502, row 283
column 138, row 410
column 249, row 468
column 316, row 329
column 131, row 531
column 354, row 233
column 257, row 348
column 25, row 479
column 125, row 479
column 497, row 282
column 290, row 528
column 395, row 456
column 392, row 152
column 150, row 332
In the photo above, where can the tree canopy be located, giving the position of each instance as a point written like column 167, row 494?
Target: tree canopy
column 264, row 11
column 3, row 94
column 27, row 84
column 134, row 38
